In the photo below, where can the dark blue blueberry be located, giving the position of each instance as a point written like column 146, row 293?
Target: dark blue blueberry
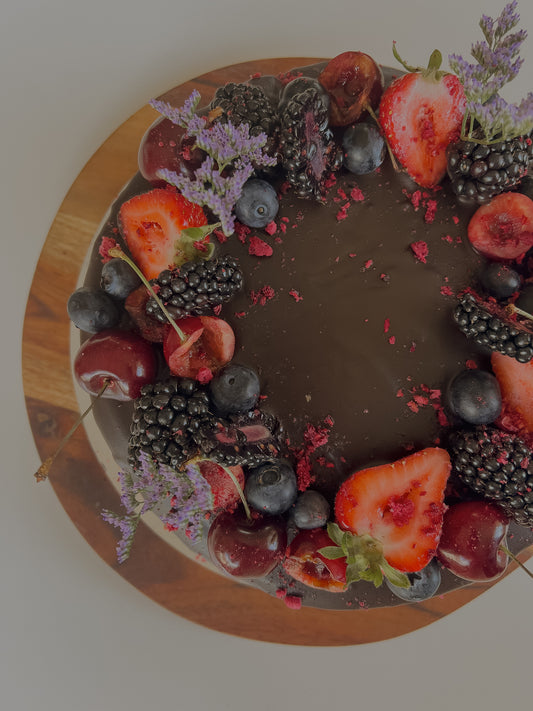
column 311, row 510
column 258, row 204
column 500, row 280
column 272, row 487
column 363, row 148
column 424, row 584
column 235, row 389
column 475, row 397
column 118, row 279
column 92, row 310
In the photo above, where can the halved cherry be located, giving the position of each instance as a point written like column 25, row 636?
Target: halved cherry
column 304, row 563
column 503, row 229
column 209, row 344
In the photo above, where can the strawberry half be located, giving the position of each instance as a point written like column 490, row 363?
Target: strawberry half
column 421, row 114
column 210, row 344
column 225, row 494
column 151, row 225
column 304, row 562
column 516, row 385
column 400, row 505
column 503, row 229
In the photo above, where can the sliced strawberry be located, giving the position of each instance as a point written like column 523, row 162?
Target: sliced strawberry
column 401, row 505
column 150, row 329
column 503, row 229
column 151, row 224
column 225, row 493
column 304, row 563
column 421, row 114
column 210, row 345
column 516, row 385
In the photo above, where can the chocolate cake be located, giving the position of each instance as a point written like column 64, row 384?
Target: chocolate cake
column 346, row 317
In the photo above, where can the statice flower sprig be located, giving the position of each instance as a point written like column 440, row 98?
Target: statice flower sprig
column 488, row 117
column 182, row 499
column 232, row 155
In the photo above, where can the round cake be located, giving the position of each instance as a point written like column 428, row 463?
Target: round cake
column 347, row 380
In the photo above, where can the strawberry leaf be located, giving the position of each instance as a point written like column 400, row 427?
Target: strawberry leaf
column 332, row 552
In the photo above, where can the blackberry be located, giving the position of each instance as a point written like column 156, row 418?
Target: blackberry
column 479, row 172
column 245, row 103
column 170, row 422
column 195, row 288
column 496, row 466
column 488, row 326
column 173, row 421
column 308, row 151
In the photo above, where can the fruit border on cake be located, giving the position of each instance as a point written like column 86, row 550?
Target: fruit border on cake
column 227, row 472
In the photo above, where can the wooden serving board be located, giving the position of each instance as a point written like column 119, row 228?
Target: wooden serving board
column 81, row 484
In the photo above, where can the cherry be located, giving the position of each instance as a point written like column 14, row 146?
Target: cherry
column 472, row 543
column 208, row 344
column 247, row 547
column 304, row 563
column 355, row 83
column 122, row 359
column 159, row 148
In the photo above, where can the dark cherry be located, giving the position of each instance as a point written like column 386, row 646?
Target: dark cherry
column 121, row 358
column 159, row 148
column 472, row 535
column 247, row 548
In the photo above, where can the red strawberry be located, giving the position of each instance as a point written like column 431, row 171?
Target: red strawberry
column 151, row 224
column 210, row 345
column 421, row 114
column 401, row 505
column 304, row 563
column 516, row 385
column 225, row 493
column 503, row 229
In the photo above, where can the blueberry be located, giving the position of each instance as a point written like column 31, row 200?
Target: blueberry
column 271, row 487
column 235, row 389
column 424, row 584
column 500, row 280
column 475, row 397
column 258, row 204
column 92, row 310
column 311, row 510
column 363, row 148
column 118, row 279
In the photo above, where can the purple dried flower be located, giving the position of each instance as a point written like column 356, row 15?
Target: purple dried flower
column 127, row 525
column 181, row 117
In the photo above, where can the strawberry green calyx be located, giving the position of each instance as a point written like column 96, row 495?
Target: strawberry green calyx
column 364, row 558
column 433, row 70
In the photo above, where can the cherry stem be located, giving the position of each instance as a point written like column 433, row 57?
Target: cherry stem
column 520, row 312
column 117, row 252
column 515, row 559
column 42, row 473
column 389, row 149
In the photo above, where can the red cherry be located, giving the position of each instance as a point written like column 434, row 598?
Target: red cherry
column 121, row 358
column 472, row 535
column 354, row 82
column 210, row 345
column 247, row 548
column 159, row 148
column 304, row 563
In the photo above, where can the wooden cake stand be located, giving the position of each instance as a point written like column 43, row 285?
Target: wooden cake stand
column 80, row 482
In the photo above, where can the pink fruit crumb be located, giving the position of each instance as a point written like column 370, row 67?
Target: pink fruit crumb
column 293, row 602
column 296, row 295
column 421, row 250
column 258, row 248
column 357, row 194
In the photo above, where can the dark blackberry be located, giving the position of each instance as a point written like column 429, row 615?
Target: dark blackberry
column 497, row 466
column 488, row 326
column 308, row 151
column 169, row 421
column 244, row 103
column 479, row 172
column 195, row 288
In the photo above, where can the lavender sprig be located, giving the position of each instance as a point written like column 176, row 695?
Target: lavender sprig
column 488, row 117
column 232, row 155
column 156, row 485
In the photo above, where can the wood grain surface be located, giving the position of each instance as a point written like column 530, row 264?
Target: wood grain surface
column 83, row 487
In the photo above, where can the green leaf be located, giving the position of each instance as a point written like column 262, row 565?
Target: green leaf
column 395, row 576
column 335, row 533
column 332, row 552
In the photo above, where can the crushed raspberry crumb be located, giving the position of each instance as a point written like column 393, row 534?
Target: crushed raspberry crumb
column 343, row 212
column 242, row 231
column 258, row 248
column 204, row 376
column 296, row 295
column 471, row 364
column 264, row 294
column 446, row 291
column 281, row 594
column 221, row 237
column 431, row 209
column 392, row 340
column 357, row 194
column 106, row 244
column 293, row 602
column 368, row 264
column 420, row 250
column 271, row 228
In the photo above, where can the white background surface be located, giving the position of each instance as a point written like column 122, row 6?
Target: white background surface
column 73, row 634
